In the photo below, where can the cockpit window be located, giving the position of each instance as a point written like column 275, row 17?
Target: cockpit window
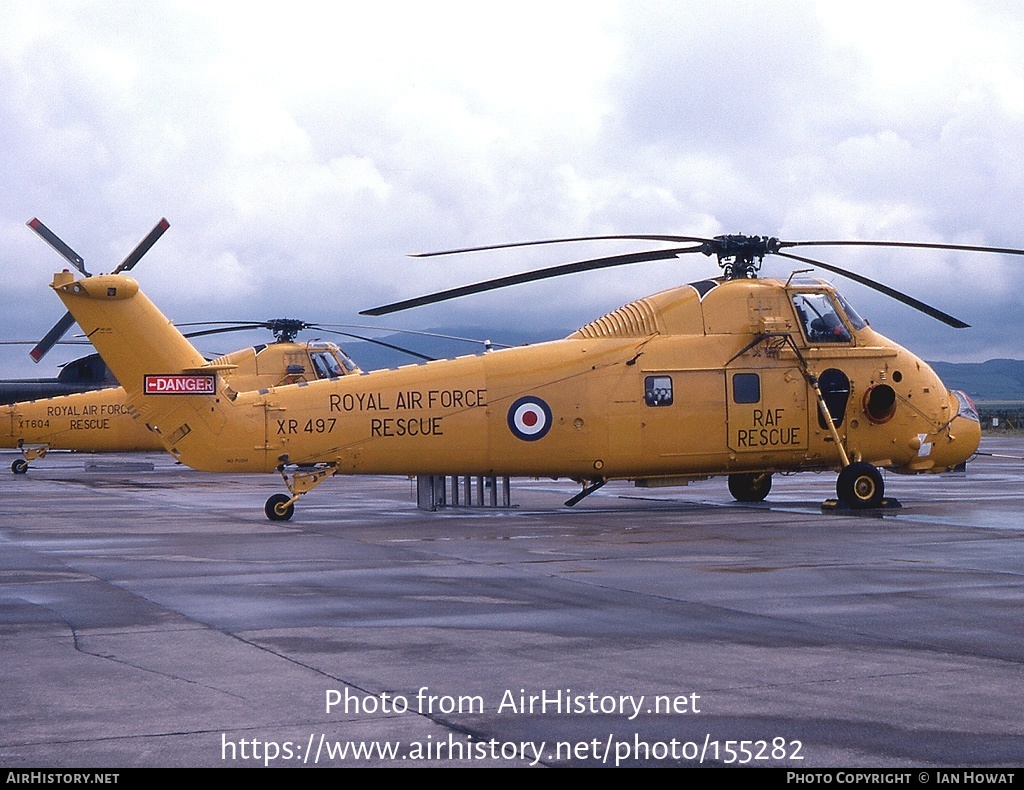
column 966, row 406
column 818, row 317
column 851, row 314
column 326, row 365
column 346, row 360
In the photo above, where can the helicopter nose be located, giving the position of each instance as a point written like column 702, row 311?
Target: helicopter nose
column 963, row 435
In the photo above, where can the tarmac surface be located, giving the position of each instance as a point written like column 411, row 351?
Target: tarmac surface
column 156, row 618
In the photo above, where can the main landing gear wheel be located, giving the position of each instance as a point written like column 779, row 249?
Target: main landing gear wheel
column 275, row 509
column 20, row 466
column 860, row 485
column 750, row 486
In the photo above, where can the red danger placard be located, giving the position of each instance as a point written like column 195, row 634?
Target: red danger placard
column 180, row 384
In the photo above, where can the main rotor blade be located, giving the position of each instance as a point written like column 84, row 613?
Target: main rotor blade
column 474, row 340
column 642, row 236
column 526, row 277
column 35, row 343
column 133, row 257
column 62, row 249
column 920, row 245
column 221, row 330
column 52, row 337
column 222, row 323
column 239, row 327
column 899, row 296
column 424, row 357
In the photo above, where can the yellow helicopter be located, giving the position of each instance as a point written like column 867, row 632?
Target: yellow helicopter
column 738, row 376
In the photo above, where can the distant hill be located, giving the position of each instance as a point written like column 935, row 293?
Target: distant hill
column 986, row 382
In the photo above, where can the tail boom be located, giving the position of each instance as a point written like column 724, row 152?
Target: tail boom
column 142, row 348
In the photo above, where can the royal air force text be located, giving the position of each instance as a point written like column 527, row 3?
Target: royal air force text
column 387, row 426
column 92, row 416
column 408, row 399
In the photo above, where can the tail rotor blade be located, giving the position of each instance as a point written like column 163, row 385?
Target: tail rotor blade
column 62, row 249
column 52, row 337
column 135, row 255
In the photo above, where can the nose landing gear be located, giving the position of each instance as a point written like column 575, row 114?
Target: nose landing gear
column 860, row 485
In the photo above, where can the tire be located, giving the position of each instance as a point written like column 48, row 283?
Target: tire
column 860, row 485
column 20, row 466
column 750, row 486
column 272, row 504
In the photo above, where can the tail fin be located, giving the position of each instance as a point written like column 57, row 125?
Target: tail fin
column 142, row 348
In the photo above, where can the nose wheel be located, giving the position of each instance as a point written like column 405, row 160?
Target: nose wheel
column 860, row 485
column 20, row 466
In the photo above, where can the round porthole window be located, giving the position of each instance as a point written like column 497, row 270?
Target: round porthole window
column 880, row 403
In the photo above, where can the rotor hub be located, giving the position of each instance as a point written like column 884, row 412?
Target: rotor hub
column 285, row 329
column 740, row 256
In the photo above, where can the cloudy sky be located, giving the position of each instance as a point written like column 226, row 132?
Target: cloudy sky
column 301, row 149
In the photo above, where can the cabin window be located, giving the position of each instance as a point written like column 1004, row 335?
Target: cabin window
column 346, row 360
column 326, row 365
column 835, row 391
column 818, row 317
column 746, row 388
column 658, row 390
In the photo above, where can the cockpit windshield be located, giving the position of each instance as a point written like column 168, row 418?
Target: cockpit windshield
column 326, row 366
column 820, row 320
column 329, row 361
column 852, row 315
column 346, row 360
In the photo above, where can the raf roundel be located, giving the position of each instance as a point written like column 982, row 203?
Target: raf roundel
column 529, row 418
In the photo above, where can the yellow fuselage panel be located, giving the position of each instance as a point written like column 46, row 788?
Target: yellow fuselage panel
column 89, row 421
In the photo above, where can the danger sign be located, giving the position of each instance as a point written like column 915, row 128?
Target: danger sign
column 180, row 384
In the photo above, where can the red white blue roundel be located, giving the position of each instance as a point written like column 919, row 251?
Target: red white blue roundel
column 529, row 418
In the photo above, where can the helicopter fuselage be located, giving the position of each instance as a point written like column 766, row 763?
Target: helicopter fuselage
column 707, row 379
